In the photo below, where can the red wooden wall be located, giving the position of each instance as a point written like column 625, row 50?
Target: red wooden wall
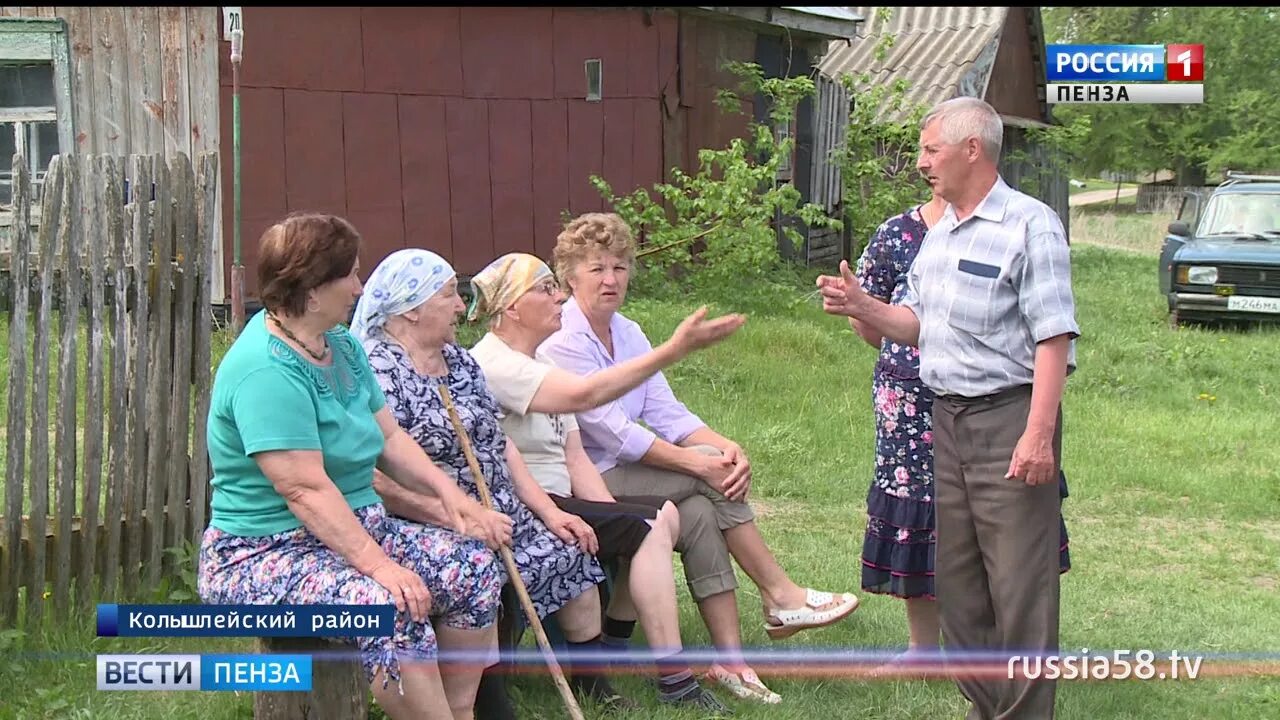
column 463, row 130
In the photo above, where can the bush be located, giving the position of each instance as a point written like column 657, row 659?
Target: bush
column 717, row 227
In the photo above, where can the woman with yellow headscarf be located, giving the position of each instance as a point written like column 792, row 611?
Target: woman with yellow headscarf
column 518, row 295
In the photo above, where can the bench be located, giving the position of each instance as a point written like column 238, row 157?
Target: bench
column 338, row 688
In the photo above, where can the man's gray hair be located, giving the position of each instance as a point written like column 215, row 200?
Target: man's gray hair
column 965, row 117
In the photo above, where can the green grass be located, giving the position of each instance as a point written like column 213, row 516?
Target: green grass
column 1119, row 227
column 1170, row 453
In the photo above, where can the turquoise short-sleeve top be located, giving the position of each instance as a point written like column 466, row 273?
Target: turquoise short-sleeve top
column 267, row 396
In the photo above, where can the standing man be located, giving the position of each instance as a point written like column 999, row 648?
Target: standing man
column 989, row 304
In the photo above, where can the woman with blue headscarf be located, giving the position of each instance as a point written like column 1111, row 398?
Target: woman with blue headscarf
column 406, row 320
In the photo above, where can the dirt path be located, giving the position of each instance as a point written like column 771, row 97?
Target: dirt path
column 1097, row 196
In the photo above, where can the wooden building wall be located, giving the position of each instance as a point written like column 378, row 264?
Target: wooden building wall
column 466, row 130
column 1014, row 88
column 143, row 80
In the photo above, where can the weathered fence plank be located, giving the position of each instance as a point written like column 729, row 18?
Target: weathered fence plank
column 68, row 386
column 145, row 100
column 38, row 480
column 162, row 371
column 118, row 479
column 185, row 241
column 207, row 197
column 96, row 200
column 140, row 368
column 15, row 450
column 175, row 80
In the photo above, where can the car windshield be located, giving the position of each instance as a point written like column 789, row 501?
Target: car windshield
column 1242, row 214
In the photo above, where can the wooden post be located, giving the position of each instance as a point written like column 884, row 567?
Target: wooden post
column 95, row 183
column 338, row 687
column 16, row 457
column 118, row 477
column 72, row 223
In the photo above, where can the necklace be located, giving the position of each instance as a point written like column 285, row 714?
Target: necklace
column 318, row 357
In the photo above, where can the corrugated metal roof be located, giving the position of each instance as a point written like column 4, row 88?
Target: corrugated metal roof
column 823, row 22
column 836, row 13
column 941, row 52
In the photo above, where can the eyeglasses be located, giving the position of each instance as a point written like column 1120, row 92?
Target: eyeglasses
column 550, row 287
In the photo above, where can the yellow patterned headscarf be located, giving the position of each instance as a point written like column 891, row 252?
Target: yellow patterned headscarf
column 503, row 282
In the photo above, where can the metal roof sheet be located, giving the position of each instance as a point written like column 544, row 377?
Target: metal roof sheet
column 941, row 52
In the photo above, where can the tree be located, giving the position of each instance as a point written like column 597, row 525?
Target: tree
column 1234, row 128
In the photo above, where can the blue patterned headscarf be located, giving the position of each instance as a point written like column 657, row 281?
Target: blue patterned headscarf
column 401, row 282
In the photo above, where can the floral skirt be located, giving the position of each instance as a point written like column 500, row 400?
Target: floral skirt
column 899, row 545
column 295, row 568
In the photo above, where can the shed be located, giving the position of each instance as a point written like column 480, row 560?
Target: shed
column 107, row 80
column 469, row 131
column 995, row 53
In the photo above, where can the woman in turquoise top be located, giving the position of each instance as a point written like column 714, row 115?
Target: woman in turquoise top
column 297, row 424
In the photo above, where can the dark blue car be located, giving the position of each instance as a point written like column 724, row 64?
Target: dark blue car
column 1221, row 258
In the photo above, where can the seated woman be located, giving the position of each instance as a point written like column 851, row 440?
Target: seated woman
column 519, row 296
column 680, row 458
column 296, row 425
column 406, row 320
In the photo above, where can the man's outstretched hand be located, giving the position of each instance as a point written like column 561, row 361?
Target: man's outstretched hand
column 843, row 295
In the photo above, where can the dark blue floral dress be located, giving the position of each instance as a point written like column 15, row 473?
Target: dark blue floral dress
column 554, row 573
column 899, row 545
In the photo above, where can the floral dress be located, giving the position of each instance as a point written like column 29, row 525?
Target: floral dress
column 296, row 567
column 554, row 573
column 900, row 540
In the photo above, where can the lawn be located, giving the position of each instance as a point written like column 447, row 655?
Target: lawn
column 1119, row 226
column 1170, row 454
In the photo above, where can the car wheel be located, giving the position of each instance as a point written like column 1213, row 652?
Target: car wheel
column 1174, row 321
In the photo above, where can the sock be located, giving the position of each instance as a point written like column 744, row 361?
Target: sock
column 492, row 701
column 675, row 677
column 617, row 633
column 585, row 674
column 616, row 639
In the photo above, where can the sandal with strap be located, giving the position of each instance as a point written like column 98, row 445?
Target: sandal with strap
column 820, row 609
column 745, row 685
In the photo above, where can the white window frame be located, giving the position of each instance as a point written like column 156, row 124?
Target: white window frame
column 31, row 41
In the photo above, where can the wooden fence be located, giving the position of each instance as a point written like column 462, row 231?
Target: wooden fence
column 1164, row 199
column 121, row 258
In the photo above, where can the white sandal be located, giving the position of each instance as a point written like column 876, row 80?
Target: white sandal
column 785, row 623
column 745, row 685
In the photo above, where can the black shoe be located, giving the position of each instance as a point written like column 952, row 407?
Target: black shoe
column 698, row 697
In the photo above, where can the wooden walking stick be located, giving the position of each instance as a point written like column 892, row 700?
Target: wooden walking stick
column 571, row 703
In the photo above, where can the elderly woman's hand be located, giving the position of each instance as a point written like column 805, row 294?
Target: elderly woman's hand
column 738, row 482
column 696, row 332
column 573, row 530
column 489, row 526
column 729, row 472
column 407, row 589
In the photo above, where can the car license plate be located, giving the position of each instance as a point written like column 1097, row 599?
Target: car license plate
column 1253, row 304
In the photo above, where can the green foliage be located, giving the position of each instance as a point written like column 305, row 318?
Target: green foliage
column 719, row 224
column 1234, row 128
column 877, row 162
column 181, row 587
column 1057, row 149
